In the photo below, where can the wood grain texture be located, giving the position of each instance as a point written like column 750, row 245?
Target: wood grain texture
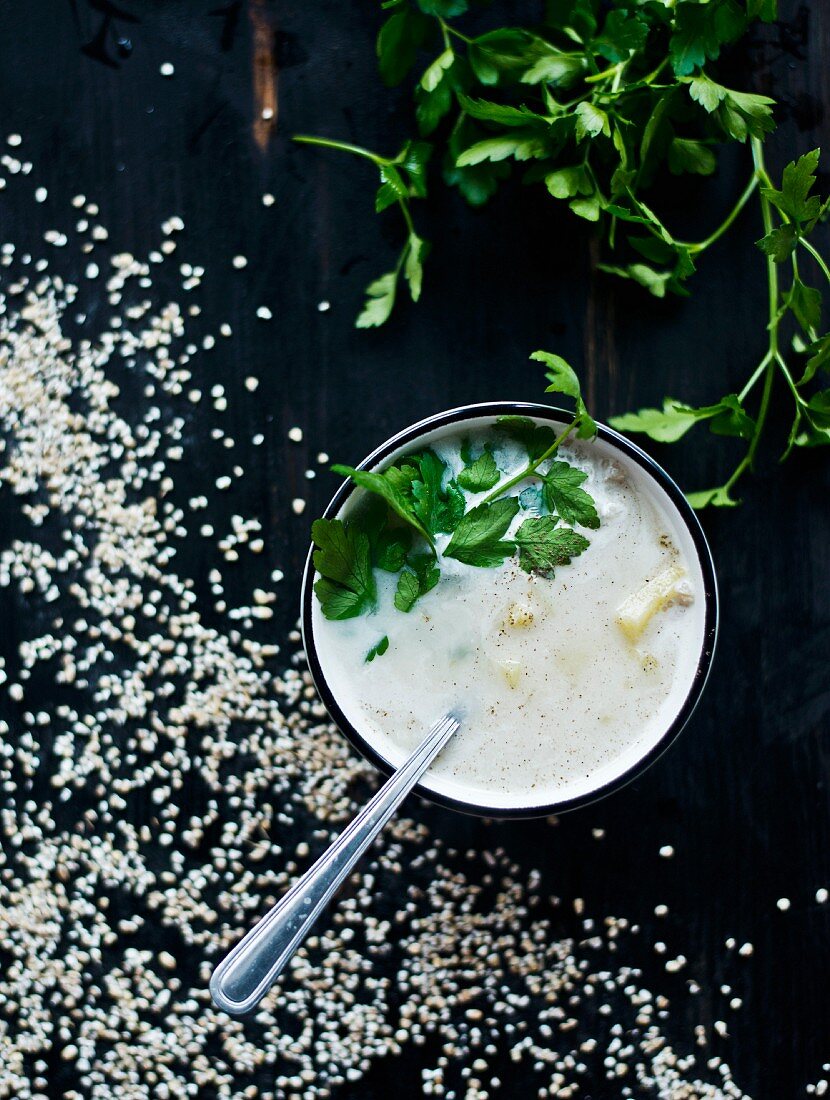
column 743, row 796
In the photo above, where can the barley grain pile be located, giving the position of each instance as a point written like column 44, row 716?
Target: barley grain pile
column 166, row 769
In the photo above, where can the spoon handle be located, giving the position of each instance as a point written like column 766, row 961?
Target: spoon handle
column 246, row 974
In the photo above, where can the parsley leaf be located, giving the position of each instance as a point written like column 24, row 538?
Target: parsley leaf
column 421, row 577
column 380, row 299
column 377, row 650
column 502, row 113
column 562, row 378
column 780, row 242
column 388, row 543
column 805, row 302
column 686, row 155
column 544, row 545
column 431, row 107
column 622, row 35
column 479, row 537
column 718, row 498
column 794, row 198
column 565, row 183
column 700, row 31
column 671, row 423
column 391, row 189
column 819, row 352
column 391, row 486
column 407, row 592
column 535, row 438
column 435, row 73
column 517, row 144
column 561, row 70
column 413, row 268
column 504, row 53
column 438, row 508
column 591, row 121
column 399, row 40
column 391, row 549
column 666, row 425
column 479, row 474
column 445, row 9
column 728, row 417
column 479, row 182
column 346, row 586
column 706, row 92
column 656, row 282
column 564, row 495
column 743, row 115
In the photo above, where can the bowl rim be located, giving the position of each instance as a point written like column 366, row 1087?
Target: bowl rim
column 556, row 415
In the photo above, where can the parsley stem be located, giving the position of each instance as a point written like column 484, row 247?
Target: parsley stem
column 531, row 467
column 756, row 374
column 615, row 84
column 816, row 256
column 774, row 356
column 452, row 30
column 344, row 146
column 407, row 217
column 613, row 71
column 763, row 409
column 785, row 370
column 701, row 246
column 652, row 76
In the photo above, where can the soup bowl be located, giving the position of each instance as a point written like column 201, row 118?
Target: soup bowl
column 382, row 750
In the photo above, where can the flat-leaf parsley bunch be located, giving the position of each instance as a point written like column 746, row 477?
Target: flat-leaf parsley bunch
column 591, row 104
column 417, row 499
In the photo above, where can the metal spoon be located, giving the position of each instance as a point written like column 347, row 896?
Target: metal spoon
column 246, row 974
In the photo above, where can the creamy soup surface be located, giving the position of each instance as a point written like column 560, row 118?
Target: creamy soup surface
column 561, row 684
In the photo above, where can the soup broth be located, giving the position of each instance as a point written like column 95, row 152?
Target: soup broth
column 562, row 684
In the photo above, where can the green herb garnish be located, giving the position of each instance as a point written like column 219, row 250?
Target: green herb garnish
column 420, row 576
column 377, row 650
column 564, row 495
column 479, row 537
column 592, row 104
column 544, row 545
column 479, row 474
column 416, row 500
column 347, row 585
column 395, row 487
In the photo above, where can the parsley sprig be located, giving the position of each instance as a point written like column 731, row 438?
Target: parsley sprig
column 594, row 104
column 401, row 178
column 789, row 214
column 414, row 502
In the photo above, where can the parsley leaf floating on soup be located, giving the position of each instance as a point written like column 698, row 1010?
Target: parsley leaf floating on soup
column 564, row 495
column 346, row 586
column 478, row 538
column 479, row 474
column 544, row 545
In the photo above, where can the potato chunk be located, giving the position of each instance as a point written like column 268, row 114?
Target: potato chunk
column 519, row 616
column 512, row 671
column 669, row 586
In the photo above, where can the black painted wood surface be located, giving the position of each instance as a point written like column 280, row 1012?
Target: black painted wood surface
column 743, row 796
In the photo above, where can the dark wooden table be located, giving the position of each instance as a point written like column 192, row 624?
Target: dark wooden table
column 743, row 796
